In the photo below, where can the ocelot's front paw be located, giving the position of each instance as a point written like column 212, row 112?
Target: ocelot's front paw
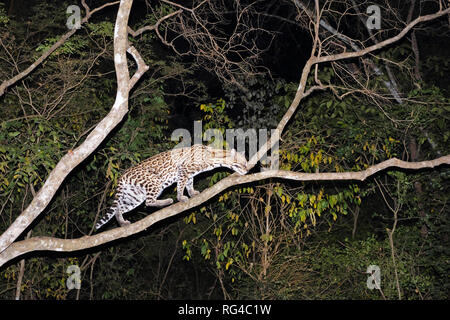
column 125, row 223
column 194, row 193
column 183, row 198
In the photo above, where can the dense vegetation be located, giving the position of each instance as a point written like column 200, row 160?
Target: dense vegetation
column 269, row 240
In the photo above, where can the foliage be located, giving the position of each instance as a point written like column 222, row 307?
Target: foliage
column 3, row 17
column 262, row 102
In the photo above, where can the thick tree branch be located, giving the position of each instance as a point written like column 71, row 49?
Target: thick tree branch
column 74, row 157
column 68, row 245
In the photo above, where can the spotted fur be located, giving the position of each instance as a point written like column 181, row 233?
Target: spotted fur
column 147, row 180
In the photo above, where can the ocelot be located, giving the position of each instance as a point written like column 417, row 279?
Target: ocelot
column 147, row 180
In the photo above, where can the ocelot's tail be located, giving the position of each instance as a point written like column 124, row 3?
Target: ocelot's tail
column 109, row 215
column 126, row 199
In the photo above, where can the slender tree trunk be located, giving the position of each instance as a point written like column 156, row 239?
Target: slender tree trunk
column 418, row 186
column 11, row 7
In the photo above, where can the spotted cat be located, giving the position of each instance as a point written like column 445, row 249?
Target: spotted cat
column 147, row 180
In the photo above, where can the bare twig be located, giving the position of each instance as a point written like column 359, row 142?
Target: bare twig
column 21, row 272
column 152, row 27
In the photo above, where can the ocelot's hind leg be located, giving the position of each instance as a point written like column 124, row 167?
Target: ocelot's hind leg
column 190, row 187
column 152, row 193
column 181, row 185
column 128, row 197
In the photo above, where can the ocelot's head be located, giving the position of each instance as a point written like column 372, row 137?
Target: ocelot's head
column 229, row 159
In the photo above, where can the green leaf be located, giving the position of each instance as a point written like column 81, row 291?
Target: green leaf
column 13, row 134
